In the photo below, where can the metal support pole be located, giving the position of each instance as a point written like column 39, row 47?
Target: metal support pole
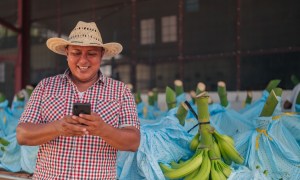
column 238, row 45
column 180, row 39
column 22, row 66
column 133, row 45
column 58, row 17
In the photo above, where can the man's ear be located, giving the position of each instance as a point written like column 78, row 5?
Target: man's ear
column 66, row 50
column 102, row 52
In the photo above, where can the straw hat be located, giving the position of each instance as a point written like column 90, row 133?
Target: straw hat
column 84, row 34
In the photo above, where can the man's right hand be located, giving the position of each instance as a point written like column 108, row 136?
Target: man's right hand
column 67, row 126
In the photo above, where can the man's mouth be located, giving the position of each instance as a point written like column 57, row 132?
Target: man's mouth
column 83, row 67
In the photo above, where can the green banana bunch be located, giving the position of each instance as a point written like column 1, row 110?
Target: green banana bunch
column 223, row 136
column 195, row 142
column 215, row 172
column 227, row 149
column 214, row 152
column 203, row 171
column 224, row 168
column 193, row 174
column 185, row 169
column 211, row 149
column 181, row 163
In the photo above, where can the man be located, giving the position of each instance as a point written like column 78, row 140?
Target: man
column 84, row 146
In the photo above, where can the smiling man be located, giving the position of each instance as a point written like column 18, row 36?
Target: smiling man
column 84, row 146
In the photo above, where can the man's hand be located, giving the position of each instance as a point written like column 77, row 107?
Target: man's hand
column 124, row 139
column 69, row 126
column 93, row 123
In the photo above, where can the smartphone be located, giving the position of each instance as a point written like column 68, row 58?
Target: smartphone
column 81, row 108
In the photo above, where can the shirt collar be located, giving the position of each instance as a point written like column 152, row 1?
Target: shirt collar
column 101, row 78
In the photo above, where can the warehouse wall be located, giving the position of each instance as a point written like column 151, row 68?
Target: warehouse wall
column 209, row 44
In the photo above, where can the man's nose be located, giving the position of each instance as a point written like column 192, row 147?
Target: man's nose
column 83, row 57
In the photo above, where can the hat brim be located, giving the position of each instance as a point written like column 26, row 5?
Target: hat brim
column 58, row 45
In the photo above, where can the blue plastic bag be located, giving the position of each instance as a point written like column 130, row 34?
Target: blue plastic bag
column 164, row 142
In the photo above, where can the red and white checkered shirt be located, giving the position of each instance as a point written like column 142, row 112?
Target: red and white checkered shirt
column 85, row 157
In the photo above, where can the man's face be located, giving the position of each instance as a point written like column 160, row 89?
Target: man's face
column 84, row 62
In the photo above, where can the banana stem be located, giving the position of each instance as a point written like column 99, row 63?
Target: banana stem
column 295, row 80
column 222, row 93
column 278, row 91
column 137, row 97
column 181, row 113
column 151, row 100
column 170, row 98
column 270, row 104
column 178, row 87
column 2, row 97
column 29, row 89
column 20, row 96
column 248, row 98
column 155, row 94
column 193, row 95
column 200, row 88
column 272, row 84
column 298, row 98
column 203, row 118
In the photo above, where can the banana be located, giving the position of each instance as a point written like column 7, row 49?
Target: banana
column 219, row 170
column 226, row 159
column 214, row 152
column 164, row 168
column 214, row 175
column 175, row 164
column 195, row 141
column 185, row 169
column 191, row 175
column 178, row 165
column 227, row 149
column 204, row 169
column 223, row 137
column 230, row 152
column 225, row 168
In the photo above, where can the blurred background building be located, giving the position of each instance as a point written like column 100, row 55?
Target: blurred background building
column 244, row 43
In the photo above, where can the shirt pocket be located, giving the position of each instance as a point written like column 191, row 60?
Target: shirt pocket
column 109, row 111
column 53, row 108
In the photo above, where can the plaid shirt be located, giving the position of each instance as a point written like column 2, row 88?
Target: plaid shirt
column 85, row 157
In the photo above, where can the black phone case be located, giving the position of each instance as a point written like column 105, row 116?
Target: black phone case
column 81, row 108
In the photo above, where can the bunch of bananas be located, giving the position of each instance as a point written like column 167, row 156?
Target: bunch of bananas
column 207, row 162
column 213, row 155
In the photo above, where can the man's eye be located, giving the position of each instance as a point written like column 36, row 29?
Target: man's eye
column 92, row 54
column 75, row 53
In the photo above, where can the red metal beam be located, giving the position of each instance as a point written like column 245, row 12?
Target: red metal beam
column 82, row 11
column 89, row 10
column 270, row 51
column 22, row 65
column 5, row 58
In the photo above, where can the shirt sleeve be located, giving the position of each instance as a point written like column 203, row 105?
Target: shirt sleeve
column 128, row 113
column 32, row 111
